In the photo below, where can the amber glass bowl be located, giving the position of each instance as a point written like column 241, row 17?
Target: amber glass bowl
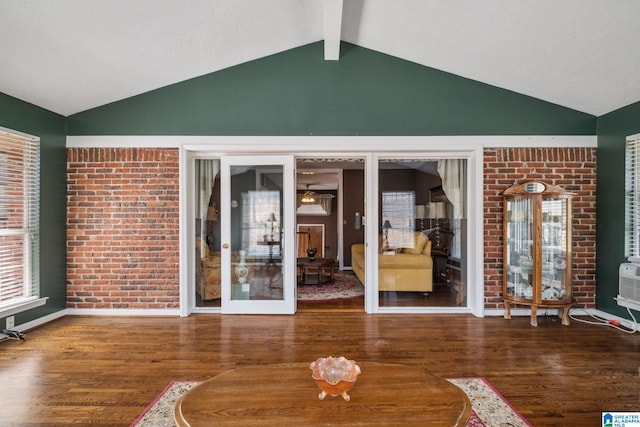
column 335, row 376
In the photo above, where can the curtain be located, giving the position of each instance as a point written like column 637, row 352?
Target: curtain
column 206, row 171
column 453, row 173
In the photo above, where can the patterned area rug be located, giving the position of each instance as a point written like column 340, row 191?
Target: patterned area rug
column 344, row 286
column 490, row 409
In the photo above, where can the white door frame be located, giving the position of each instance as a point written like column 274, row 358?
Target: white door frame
column 287, row 237
column 430, row 147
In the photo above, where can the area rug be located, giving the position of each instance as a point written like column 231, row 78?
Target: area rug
column 344, row 286
column 490, row 408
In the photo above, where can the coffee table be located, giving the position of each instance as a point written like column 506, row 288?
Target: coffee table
column 320, row 267
column 286, row 395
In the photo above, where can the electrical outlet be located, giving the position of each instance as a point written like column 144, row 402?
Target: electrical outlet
column 11, row 322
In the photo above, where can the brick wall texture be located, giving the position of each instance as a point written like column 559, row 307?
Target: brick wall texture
column 573, row 169
column 122, row 228
column 123, row 224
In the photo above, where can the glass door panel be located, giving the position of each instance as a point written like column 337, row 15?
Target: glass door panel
column 519, row 248
column 554, row 249
column 421, row 232
column 208, row 269
column 258, row 222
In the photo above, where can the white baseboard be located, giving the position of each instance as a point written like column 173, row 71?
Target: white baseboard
column 122, row 312
column 574, row 311
column 40, row 321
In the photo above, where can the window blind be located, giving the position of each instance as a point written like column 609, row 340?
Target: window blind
column 398, row 209
column 632, row 197
column 19, row 218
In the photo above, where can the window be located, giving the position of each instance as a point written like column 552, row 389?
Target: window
column 19, row 220
column 632, row 197
column 398, row 218
column 261, row 223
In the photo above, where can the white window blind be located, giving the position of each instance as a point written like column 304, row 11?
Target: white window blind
column 398, row 210
column 257, row 208
column 632, row 196
column 19, row 219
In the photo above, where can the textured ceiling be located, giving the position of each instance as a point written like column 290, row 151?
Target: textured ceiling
column 72, row 55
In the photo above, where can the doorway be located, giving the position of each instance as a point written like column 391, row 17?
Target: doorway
column 358, row 223
column 330, row 195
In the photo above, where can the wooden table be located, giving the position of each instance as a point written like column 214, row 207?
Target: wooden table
column 323, row 267
column 286, row 395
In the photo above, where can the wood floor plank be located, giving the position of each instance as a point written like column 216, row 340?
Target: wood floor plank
column 106, row 370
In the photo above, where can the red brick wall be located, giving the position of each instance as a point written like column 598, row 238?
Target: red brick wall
column 574, row 169
column 122, row 228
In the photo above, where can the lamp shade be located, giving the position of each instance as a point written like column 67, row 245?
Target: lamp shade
column 420, row 211
column 437, row 210
column 386, row 225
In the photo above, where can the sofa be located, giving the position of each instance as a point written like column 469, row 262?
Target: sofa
column 265, row 278
column 404, row 269
column 208, row 272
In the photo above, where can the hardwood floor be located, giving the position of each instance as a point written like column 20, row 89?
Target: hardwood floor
column 106, row 370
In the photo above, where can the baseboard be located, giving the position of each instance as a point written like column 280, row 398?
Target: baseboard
column 122, row 312
column 574, row 311
column 628, row 323
column 40, row 321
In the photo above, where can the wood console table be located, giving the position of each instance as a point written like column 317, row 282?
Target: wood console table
column 286, row 395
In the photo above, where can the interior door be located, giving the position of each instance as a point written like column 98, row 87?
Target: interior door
column 258, row 235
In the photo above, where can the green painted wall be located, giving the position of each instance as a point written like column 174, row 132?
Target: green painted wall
column 297, row 92
column 50, row 127
column 613, row 129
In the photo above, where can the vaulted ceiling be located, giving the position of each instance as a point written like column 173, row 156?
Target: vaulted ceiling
column 72, row 55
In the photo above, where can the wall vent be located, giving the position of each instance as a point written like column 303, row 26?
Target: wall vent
column 629, row 286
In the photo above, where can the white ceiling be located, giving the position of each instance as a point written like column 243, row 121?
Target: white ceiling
column 72, row 55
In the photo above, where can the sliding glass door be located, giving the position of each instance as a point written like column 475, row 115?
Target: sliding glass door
column 258, row 234
column 421, row 227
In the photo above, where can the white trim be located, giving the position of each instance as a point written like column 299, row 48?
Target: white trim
column 371, row 300
column 21, row 306
column 524, row 312
column 426, row 310
column 475, row 235
column 40, row 321
column 186, row 234
column 517, row 312
column 206, row 310
column 300, row 144
column 623, row 321
column 122, row 312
